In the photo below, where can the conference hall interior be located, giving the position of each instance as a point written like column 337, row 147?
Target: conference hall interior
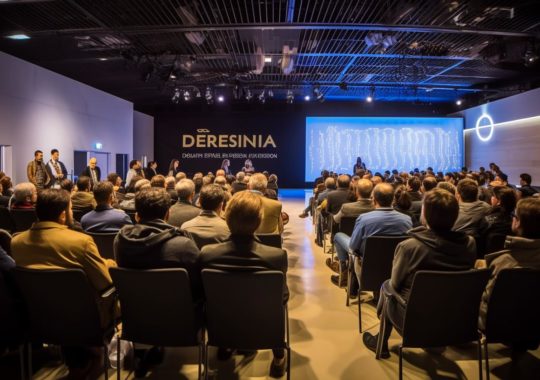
column 269, row 189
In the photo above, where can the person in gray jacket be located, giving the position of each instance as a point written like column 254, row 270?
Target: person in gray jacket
column 364, row 187
column 431, row 247
column 184, row 209
column 471, row 210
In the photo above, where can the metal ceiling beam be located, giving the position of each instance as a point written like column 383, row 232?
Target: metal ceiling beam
column 451, row 67
column 291, row 26
column 290, row 10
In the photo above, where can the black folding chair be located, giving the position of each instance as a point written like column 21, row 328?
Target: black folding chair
column 62, row 310
column 23, row 219
column 79, row 213
column 442, row 310
column 273, row 240
column 153, row 314
column 238, row 317
column 6, row 221
column 346, row 224
column 513, row 310
column 105, row 243
column 376, row 266
column 131, row 214
column 11, row 320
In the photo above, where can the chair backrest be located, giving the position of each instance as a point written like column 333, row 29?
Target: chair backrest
column 23, row 219
column 11, row 324
column 273, row 240
column 244, row 309
column 6, row 221
column 131, row 214
column 61, row 306
column 79, row 213
column 157, row 307
column 514, row 307
column 443, row 308
column 377, row 260
column 105, row 243
column 346, row 224
column 494, row 243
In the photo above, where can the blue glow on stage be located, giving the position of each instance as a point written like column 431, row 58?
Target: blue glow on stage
column 384, row 143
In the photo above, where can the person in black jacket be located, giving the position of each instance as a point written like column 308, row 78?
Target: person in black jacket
column 431, row 247
column 93, row 171
column 56, row 169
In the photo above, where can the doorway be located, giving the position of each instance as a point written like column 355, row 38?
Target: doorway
column 81, row 158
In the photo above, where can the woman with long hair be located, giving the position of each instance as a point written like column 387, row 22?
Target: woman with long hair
column 225, row 166
column 173, row 167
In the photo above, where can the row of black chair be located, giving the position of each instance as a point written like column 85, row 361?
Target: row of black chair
column 61, row 309
column 16, row 220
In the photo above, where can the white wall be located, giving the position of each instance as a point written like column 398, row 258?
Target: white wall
column 515, row 143
column 143, row 136
column 42, row 110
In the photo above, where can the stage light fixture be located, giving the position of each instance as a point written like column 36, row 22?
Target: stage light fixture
column 209, row 96
column 459, row 102
column 270, row 93
column 290, row 97
column 371, row 96
column 268, row 59
column 198, row 93
column 369, row 99
column 187, row 96
column 307, row 98
column 236, row 92
column 343, row 86
column 317, row 94
column 176, row 96
column 262, row 97
column 103, row 59
column 221, row 99
column 248, row 95
column 172, row 76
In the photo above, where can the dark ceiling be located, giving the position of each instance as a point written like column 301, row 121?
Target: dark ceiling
column 395, row 50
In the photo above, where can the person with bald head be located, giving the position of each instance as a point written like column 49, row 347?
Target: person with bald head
column 382, row 221
column 93, row 171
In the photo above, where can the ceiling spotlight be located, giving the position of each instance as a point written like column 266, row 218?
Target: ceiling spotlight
column 268, row 59
column 262, row 97
column 290, row 97
column 20, row 36
column 371, row 95
column 187, row 96
column 317, row 94
column 103, row 59
column 176, row 96
column 248, row 95
column 172, row 76
column 221, row 99
column 459, row 102
column 369, row 99
column 307, row 98
column 198, row 93
column 209, row 96
column 270, row 93
column 236, row 92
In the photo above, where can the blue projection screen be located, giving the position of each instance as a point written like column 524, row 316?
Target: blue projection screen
column 384, row 143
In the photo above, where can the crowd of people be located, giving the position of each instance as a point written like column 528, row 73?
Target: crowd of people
column 207, row 221
column 451, row 222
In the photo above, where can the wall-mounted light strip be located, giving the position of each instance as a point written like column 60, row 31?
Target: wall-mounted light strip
column 505, row 123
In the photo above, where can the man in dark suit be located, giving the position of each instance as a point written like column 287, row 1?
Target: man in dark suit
column 243, row 216
column 239, row 184
column 93, row 171
column 150, row 170
column 56, row 169
column 183, row 210
column 338, row 197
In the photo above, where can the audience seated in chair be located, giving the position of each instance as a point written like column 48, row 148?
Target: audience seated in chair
column 128, row 204
column 209, row 227
column 522, row 250
column 336, row 198
column 24, row 196
column 471, row 210
column 433, row 246
column 49, row 244
column 526, row 190
column 272, row 222
column 243, row 215
column 383, row 221
column 83, row 198
column 104, row 218
column 183, row 210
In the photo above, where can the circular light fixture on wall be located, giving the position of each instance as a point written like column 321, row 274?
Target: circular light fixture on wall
column 489, row 126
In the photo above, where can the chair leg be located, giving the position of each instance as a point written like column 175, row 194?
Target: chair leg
column 359, row 313
column 487, row 358
column 400, row 362
column 349, row 281
column 29, row 358
column 201, row 354
column 105, row 364
column 22, row 349
column 382, row 332
column 480, row 359
column 288, row 362
column 206, row 369
column 118, row 358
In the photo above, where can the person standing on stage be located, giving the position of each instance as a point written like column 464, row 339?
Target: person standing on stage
column 225, row 166
column 248, row 167
column 173, row 168
column 93, row 171
column 359, row 165
column 37, row 172
column 56, row 169
column 150, row 170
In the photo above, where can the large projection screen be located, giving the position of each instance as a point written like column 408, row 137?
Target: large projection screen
column 384, row 143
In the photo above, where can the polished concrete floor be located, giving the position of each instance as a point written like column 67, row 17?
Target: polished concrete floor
column 325, row 340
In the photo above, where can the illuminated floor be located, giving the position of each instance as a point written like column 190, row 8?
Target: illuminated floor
column 325, row 340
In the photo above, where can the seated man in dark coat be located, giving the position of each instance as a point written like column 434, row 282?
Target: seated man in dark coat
column 431, row 247
column 243, row 216
column 154, row 244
